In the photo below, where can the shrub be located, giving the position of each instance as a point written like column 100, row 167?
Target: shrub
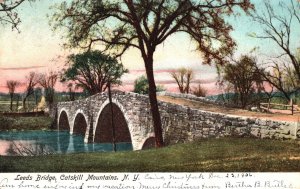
column 6, row 122
column 199, row 91
column 141, row 86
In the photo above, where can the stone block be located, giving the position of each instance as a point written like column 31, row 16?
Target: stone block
column 255, row 132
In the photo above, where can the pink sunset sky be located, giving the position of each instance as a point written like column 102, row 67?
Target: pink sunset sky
column 37, row 48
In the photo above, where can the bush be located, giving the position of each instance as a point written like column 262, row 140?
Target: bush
column 6, row 122
column 199, row 91
column 141, row 86
column 25, row 123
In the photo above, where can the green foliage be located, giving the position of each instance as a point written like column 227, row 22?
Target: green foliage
column 49, row 95
column 206, row 155
column 147, row 24
column 37, row 95
column 244, row 78
column 93, row 70
column 121, row 25
column 141, row 86
column 24, row 123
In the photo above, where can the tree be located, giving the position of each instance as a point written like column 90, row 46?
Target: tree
column 48, row 81
column 141, row 86
column 71, row 92
column 281, row 76
column 37, row 94
column 200, row 91
column 245, row 78
column 31, row 82
column 93, row 70
column 145, row 24
column 11, row 85
column 8, row 13
column 282, row 71
column 183, row 78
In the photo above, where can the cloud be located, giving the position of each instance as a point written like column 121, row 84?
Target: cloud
column 22, row 68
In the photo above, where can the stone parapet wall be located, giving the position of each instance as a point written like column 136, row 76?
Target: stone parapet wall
column 184, row 124
column 180, row 123
column 190, row 97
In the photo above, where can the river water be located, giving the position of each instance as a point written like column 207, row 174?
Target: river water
column 32, row 143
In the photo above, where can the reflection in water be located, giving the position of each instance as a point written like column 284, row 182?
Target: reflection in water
column 31, row 143
column 27, row 148
column 78, row 143
column 63, row 141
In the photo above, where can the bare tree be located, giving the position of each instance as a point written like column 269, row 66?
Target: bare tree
column 31, row 82
column 281, row 76
column 282, row 71
column 124, row 24
column 48, row 81
column 11, row 85
column 183, row 78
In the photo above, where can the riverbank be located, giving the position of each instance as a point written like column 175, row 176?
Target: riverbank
column 207, row 155
column 25, row 123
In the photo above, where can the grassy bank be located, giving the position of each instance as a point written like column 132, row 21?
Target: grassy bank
column 24, row 123
column 227, row 154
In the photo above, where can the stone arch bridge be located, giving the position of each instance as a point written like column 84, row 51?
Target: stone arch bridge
column 91, row 117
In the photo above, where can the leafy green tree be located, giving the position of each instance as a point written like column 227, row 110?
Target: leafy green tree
column 244, row 77
column 141, row 86
column 145, row 24
column 92, row 71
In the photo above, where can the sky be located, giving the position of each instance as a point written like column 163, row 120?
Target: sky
column 37, row 48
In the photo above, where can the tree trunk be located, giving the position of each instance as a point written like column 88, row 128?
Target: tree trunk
column 17, row 103
column 153, row 103
column 11, row 102
column 24, row 104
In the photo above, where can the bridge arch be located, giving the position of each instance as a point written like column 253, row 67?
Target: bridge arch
column 103, row 128
column 80, row 123
column 63, row 120
column 148, row 142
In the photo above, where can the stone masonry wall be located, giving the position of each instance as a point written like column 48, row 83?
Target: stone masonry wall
column 180, row 123
column 134, row 107
column 191, row 97
column 184, row 124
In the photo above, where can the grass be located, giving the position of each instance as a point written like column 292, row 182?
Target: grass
column 226, row 154
column 25, row 123
column 5, row 106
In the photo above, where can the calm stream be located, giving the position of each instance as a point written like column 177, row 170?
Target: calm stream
column 30, row 143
